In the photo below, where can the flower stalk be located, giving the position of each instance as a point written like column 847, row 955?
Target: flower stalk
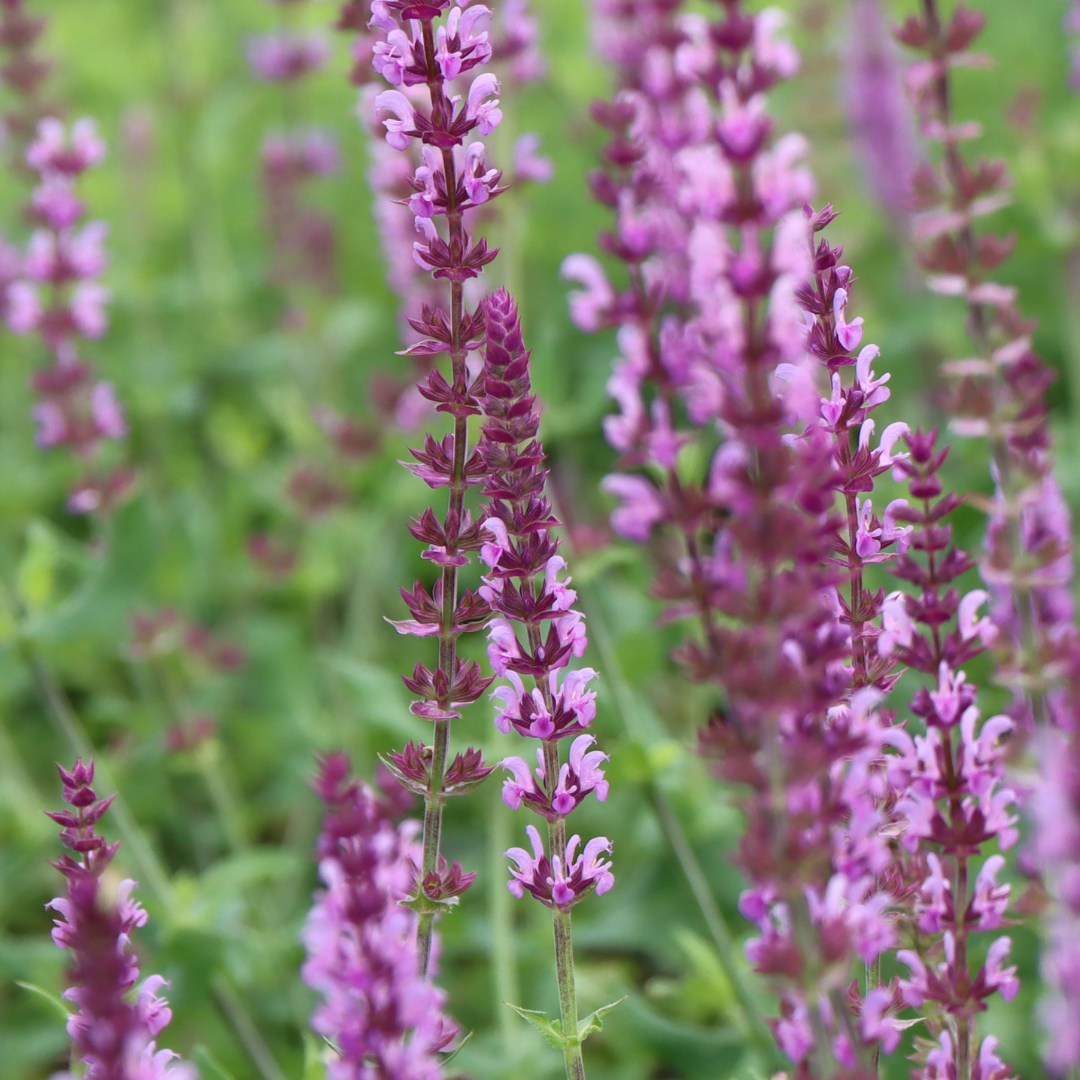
column 411, row 52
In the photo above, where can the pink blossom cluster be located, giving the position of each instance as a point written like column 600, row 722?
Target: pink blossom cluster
column 286, row 55
column 112, row 1038
column 952, row 799
column 57, row 296
column 879, row 118
column 379, row 1013
column 448, row 177
column 1072, row 28
column 303, row 239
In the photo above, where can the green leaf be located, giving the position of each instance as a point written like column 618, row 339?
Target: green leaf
column 37, row 570
column 550, row 1029
column 57, row 1003
column 594, row 1021
column 424, row 905
column 204, row 1059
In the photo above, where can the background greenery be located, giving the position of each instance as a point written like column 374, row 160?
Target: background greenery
column 219, row 392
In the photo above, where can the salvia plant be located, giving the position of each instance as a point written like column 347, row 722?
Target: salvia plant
column 843, row 648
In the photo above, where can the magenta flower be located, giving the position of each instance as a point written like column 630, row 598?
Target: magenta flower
column 561, row 881
column 711, row 229
column 112, row 1037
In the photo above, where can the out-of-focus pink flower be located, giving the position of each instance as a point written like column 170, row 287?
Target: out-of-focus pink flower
column 285, row 55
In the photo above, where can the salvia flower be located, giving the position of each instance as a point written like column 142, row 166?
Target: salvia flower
column 23, row 72
column 58, row 297
column 420, row 48
column 379, row 1012
column 535, row 634
column 504, row 39
column 283, row 56
column 999, row 394
column 114, row 1027
column 303, row 238
column 710, row 227
column 952, row 800
column 878, row 115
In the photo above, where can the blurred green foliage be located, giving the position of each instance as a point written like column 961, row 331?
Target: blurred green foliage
column 219, row 390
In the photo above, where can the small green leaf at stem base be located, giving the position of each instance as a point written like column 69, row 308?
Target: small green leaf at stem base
column 594, row 1021
column 424, row 905
column 552, row 1029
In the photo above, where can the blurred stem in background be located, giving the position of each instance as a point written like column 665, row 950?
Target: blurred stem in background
column 644, row 728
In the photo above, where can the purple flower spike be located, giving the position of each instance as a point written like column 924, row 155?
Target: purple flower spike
column 57, row 297
column 112, row 1037
column 384, row 1018
column 725, row 309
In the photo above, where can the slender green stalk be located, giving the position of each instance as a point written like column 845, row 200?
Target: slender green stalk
column 500, row 918
column 245, row 1029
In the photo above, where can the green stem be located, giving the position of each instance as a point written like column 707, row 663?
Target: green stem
column 564, row 966
column 564, row 942
column 500, row 918
column 245, row 1029
column 434, row 801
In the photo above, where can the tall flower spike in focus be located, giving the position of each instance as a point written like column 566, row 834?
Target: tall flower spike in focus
column 534, row 635
column 999, row 393
column 112, row 1036
column 510, row 34
column 410, row 52
column 711, row 229
column 380, row 1014
column 60, row 299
